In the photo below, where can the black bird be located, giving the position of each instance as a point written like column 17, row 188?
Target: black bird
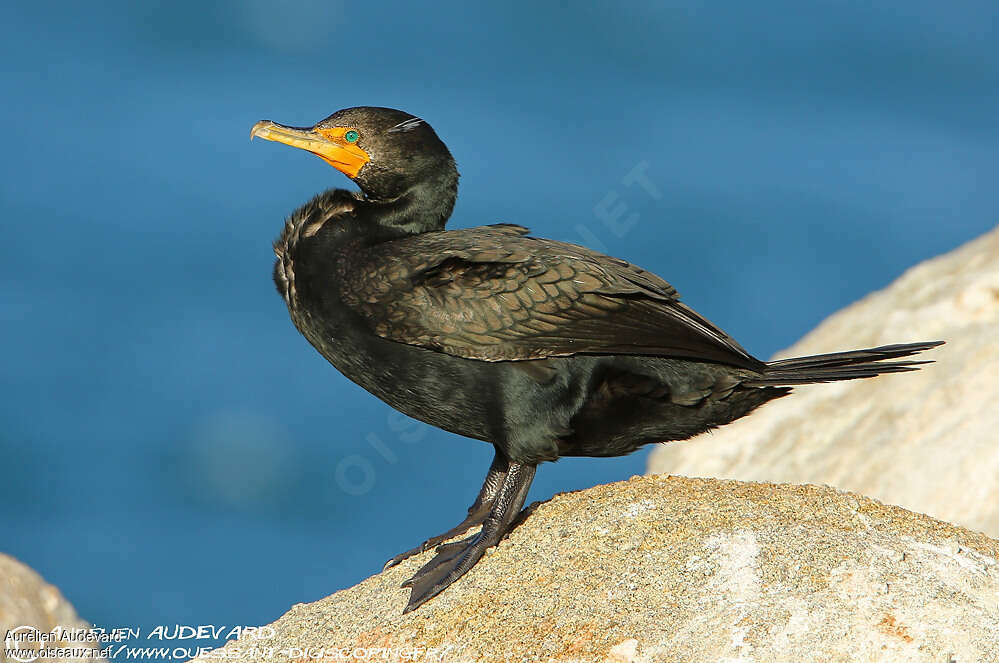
column 542, row 348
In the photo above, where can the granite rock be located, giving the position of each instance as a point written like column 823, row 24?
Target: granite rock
column 928, row 441
column 677, row 569
column 29, row 604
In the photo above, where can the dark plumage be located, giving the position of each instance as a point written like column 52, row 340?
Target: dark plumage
column 542, row 348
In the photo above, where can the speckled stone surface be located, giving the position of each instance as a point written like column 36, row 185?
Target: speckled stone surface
column 668, row 568
column 26, row 600
column 928, row 441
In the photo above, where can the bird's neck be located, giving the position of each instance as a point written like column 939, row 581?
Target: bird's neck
column 423, row 207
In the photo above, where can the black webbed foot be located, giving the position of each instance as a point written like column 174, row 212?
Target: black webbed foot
column 444, row 553
column 477, row 513
column 455, row 559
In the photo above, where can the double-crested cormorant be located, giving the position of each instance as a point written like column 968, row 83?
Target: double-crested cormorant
column 541, row 348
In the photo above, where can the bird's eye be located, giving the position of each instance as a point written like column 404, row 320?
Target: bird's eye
column 351, row 136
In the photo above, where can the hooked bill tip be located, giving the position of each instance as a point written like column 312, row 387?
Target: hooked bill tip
column 258, row 127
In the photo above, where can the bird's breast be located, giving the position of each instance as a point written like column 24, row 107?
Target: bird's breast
column 284, row 279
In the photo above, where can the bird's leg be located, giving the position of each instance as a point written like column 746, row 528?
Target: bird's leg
column 476, row 513
column 453, row 560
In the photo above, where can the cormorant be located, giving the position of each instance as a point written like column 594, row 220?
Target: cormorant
column 542, row 348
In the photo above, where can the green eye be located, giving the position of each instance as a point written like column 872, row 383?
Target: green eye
column 351, row 136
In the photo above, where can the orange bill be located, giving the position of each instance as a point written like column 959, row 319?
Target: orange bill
column 327, row 144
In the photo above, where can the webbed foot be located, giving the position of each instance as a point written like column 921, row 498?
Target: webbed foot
column 455, row 559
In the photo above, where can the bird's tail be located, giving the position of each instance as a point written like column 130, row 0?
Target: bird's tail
column 850, row 365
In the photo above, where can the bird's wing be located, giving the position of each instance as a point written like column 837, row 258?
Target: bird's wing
column 493, row 294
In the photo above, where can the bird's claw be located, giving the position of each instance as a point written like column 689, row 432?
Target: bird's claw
column 403, row 556
column 472, row 521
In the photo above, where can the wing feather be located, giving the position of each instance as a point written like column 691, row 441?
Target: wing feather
column 494, row 294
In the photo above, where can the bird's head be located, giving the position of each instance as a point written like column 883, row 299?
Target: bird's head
column 385, row 151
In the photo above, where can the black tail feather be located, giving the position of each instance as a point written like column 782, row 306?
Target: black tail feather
column 851, row 365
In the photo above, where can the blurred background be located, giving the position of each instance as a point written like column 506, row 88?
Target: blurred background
column 174, row 451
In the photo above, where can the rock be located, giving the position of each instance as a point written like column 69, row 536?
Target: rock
column 928, row 441
column 27, row 601
column 677, row 569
